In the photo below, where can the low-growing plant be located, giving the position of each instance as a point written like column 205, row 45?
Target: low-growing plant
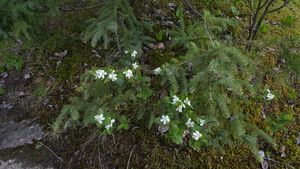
column 116, row 23
column 290, row 53
column 12, row 62
column 21, row 18
column 197, row 96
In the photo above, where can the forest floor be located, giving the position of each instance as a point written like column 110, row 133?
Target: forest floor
column 34, row 97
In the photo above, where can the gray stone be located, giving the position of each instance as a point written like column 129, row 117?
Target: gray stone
column 14, row 134
column 13, row 164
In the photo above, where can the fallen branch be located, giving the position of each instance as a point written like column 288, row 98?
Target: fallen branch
column 131, row 152
column 52, row 152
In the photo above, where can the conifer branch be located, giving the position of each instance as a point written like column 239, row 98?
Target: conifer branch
column 70, row 9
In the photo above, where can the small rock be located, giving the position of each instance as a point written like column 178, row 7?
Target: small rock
column 283, row 151
column 298, row 139
column 290, row 102
column 6, row 106
column 172, row 6
column 14, row 134
column 4, row 75
column 61, row 54
column 27, row 76
column 264, row 164
column 162, row 129
column 161, row 46
column 261, row 155
column 14, row 164
column 20, row 94
column 283, row 155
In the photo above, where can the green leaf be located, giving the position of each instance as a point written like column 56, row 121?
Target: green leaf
column 179, row 13
column 264, row 28
column 288, row 116
column 151, row 120
column 288, row 21
column 145, row 93
column 235, row 11
column 74, row 114
column 13, row 62
column 123, row 123
column 159, row 35
column 283, row 120
column 1, row 69
column 195, row 144
column 176, row 133
column 2, row 91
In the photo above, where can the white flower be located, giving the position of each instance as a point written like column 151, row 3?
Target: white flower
column 187, row 101
column 270, row 96
column 134, row 53
column 190, row 123
column 100, row 74
column 126, row 51
column 196, row 135
column 100, row 118
column 110, row 125
column 180, row 107
column 202, row 122
column 165, row 119
column 157, row 71
column 175, row 99
column 128, row 74
column 112, row 76
column 135, row 65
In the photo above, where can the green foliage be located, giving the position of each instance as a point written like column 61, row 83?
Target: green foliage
column 118, row 24
column 40, row 91
column 281, row 122
column 198, row 94
column 288, row 21
column 290, row 52
column 264, row 28
column 13, row 62
column 113, row 99
column 2, row 91
column 21, row 18
column 235, row 11
column 219, row 78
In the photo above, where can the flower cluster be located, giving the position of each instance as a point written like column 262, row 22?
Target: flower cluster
column 180, row 104
column 113, row 76
column 101, row 74
column 190, row 124
column 108, row 126
column 100, row 119
column 133, row 53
